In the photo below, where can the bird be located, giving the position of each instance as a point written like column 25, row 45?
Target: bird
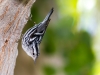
column 34, row 35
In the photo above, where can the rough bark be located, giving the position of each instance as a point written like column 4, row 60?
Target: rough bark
column 14, row 15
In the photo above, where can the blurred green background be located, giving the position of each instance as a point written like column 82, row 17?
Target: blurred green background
column 71, row 43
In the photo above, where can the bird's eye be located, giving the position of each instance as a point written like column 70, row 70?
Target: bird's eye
column 33, row 53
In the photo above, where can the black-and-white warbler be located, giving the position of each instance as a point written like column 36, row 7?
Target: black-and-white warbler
column 33, row 37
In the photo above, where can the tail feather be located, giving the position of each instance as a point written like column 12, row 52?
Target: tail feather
column 48, row 15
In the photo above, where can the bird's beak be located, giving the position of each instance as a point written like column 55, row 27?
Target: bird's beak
column 34, row 59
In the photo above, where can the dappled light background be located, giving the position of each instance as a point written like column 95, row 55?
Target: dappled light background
column 71, row 44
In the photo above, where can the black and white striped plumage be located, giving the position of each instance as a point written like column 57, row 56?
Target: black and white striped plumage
column 33, row 37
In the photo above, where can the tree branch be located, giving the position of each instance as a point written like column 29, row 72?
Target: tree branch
column 13, row 16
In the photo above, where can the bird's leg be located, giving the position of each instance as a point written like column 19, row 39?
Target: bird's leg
column 30, row 18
